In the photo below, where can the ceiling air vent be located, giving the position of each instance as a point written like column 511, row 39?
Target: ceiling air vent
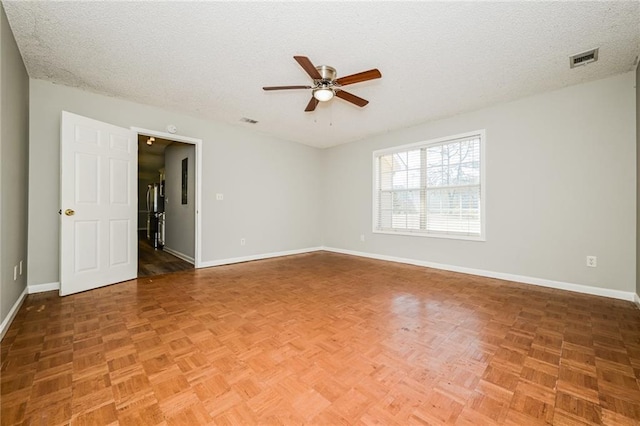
column 583, row 58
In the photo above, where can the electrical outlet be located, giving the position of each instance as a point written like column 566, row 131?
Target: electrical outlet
column 219, row 197
column 361, row 237
column 242, row 241
column 592, row 261
column 15, row 272
column 20, row 267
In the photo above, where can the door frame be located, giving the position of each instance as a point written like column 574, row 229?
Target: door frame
column 198, row 190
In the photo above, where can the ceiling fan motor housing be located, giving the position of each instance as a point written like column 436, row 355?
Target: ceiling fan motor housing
column 328, row 73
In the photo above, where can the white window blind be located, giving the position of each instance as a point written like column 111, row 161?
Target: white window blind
column 433, row 188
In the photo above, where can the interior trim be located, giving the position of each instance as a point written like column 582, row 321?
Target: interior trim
column 578, row 288
column 179, row 255
column 41, row 288
column 258, row 257
column 197, row 143
column 12, row 313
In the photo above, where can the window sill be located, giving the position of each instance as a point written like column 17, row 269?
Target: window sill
column 443, row 236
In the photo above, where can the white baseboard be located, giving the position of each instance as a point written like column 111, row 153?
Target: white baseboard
column 229, row 261
column 179, row 255
column 12, row 314
column 578, row 288
column 636, row 299
column 41, row 288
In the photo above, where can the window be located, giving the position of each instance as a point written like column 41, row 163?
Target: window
column 433, row 188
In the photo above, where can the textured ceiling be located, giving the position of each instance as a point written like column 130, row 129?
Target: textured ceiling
column 211, row 59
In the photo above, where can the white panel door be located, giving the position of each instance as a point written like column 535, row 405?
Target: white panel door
column 99, row 172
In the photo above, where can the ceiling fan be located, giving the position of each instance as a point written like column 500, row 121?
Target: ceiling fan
column 326, row 85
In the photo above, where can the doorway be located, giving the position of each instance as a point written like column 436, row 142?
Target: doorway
column 168, row 203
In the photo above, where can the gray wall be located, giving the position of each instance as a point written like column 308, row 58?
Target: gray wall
column 14, row 163
column 560, row 177
column 561, row 185
column 270, row 186
column 180, row 218
column 638, row 181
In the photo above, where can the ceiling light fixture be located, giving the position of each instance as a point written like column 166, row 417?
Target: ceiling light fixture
column 323, row 94
column 151, row 140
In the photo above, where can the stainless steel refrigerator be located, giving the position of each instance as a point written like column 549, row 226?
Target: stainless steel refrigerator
column 155, row 215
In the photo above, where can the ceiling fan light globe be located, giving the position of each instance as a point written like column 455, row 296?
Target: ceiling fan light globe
column 323, row 94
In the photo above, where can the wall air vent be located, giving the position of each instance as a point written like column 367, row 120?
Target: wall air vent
column 248, row 120
column 583, row 58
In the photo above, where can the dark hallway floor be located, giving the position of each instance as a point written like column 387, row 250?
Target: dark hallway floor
column 156, row 262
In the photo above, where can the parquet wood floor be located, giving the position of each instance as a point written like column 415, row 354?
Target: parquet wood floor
column 322, row 339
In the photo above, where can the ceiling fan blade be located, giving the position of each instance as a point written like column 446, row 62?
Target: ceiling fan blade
column 349, row 97
column 285, row 87
column 311, row 106
column 306, row 64
column 359, row 77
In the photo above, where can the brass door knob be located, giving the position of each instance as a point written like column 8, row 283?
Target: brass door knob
column 69, row 212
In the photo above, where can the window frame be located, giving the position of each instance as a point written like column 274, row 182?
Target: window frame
column 375, row 202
